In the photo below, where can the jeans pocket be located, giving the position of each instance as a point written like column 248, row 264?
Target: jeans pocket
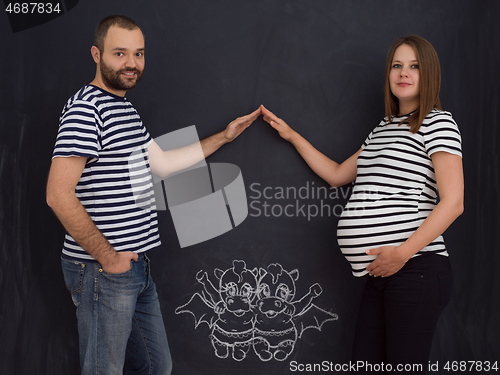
column 73, row 278
column 119, row 274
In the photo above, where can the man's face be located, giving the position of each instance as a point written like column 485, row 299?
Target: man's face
column 122, row 62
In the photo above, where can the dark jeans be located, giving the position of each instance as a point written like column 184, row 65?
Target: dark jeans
column 398, row 316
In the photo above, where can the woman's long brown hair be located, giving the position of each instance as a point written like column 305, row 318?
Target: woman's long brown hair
column 429, row 82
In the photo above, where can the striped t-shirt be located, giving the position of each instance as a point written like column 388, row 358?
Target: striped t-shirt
column 115, row 187
column 395, row 187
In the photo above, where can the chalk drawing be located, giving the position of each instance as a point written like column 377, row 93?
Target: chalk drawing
column 255, row 309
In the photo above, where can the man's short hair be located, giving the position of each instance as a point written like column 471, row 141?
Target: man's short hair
column 115, row 20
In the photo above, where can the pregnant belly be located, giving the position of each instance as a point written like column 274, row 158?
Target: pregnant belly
column 364, row 228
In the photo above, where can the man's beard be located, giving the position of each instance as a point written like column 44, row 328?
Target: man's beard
column 115, row 80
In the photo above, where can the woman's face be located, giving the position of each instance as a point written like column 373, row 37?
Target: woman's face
column 404, row 78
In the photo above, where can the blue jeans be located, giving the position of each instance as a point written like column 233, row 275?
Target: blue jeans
column 120, row 325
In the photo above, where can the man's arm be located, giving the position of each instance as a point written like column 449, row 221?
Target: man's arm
column 63, row 177
column 166, row 162
column 232, row 131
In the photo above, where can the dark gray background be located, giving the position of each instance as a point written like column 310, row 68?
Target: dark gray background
column 319, row 65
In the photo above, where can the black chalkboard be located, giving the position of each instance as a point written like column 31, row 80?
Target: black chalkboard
column 316, row 63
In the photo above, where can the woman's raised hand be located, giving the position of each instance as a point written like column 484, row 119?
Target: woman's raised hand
column 284, row 130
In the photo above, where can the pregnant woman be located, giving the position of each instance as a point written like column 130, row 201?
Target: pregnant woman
column 408, row 189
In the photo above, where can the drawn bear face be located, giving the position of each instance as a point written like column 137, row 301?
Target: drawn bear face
column 237, row 287
column 276, row 293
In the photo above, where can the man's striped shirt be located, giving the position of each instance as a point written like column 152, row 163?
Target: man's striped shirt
column 395, row 188
column 116, row 186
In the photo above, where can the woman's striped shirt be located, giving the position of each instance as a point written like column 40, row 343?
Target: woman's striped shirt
column 115, row 187
column 395, row 188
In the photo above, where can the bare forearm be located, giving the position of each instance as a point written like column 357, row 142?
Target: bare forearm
column 211, row 144
column 449, row 177
column 63, row 177
column 80, row 226
column 323, row 166
column 333, row 173
column 435, row 225
column 390, row 259
column 164, row 163
column 229, row 134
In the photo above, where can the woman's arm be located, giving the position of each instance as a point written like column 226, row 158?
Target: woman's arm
column 450, row 182
column 333, row 173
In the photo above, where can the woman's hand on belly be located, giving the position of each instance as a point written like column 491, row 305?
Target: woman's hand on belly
column 389, row 261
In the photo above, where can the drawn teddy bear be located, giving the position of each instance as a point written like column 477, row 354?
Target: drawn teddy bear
column 275, row 331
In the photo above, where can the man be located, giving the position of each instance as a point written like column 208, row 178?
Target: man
column 102, row 143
